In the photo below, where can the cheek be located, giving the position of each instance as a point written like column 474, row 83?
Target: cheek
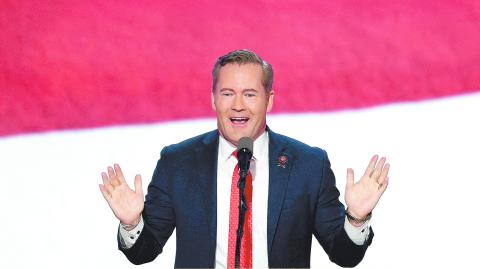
column 218, row 108
column 221, row 105
column 258, row 109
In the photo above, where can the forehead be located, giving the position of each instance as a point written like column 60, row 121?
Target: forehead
column 249, row 73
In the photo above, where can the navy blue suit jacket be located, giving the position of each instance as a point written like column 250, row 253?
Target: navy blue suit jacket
column 302, row 201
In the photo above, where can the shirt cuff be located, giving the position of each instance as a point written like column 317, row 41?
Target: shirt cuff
column 357, row 234
column 128, row 238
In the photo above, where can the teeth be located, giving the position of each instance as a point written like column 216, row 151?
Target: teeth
column 239, row 119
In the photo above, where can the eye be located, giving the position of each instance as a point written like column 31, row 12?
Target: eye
column 249, row 94
column 227, row 94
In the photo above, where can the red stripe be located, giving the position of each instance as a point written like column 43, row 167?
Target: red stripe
column 75, row 64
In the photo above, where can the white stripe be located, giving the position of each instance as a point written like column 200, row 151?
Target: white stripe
column 53, row 214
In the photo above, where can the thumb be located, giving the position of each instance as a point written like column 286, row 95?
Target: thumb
column 350, row 177
column 138, row 184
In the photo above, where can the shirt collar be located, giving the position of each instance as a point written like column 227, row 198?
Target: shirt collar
column 260, row 148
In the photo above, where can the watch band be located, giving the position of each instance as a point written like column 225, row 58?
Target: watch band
column 352, row 218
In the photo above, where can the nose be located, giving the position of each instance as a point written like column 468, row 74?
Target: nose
column 238, row 104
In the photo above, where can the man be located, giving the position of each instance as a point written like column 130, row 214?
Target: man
column 293, row 193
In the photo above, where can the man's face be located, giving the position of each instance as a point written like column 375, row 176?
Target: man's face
column 241, row 102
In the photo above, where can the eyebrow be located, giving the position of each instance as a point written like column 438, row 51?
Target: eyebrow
column 244, row 90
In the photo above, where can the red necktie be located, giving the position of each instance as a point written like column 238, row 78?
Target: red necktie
column 246, row 246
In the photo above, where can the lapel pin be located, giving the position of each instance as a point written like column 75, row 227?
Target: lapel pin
column 282, row 161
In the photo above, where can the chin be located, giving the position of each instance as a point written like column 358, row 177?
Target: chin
column 235, row 138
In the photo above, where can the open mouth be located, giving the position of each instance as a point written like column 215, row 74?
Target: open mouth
column 239, row 120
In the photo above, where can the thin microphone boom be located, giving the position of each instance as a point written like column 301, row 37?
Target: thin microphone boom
column 244, row 155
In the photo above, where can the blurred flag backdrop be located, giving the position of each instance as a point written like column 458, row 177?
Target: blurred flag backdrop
column 88, row 83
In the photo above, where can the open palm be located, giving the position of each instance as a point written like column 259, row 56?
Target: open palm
column 362, row 197
column 126, row 204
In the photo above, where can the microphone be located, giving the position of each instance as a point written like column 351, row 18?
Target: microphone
column 244, row 155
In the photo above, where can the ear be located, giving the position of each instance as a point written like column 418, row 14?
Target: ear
column 213, row 101
column 270, row 101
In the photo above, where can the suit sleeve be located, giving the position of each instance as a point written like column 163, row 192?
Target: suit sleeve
column 329, row 223
column 158, row 215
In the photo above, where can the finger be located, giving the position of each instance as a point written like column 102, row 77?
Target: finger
column 119, row 173
column 383, row 187
column 112, row 177
column 138, row 184
column 111, row 173
column 350, row 178
column 371, row 165
column 378, row 168
column 104, row 177
column 384, row 173
column 105, row 192
column 106, row 183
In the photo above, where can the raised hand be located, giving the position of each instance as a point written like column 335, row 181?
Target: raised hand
column 362, row 197
column 126, row 204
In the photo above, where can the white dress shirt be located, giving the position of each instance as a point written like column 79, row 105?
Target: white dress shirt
column 259, row 169
column 260, row 177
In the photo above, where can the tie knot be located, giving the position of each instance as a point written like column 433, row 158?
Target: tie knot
column 234, row 154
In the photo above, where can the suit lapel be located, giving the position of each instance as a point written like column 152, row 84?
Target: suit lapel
column 280, row 164
column 206, row 160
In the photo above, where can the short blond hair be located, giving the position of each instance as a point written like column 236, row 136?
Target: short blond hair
column 244, row 56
